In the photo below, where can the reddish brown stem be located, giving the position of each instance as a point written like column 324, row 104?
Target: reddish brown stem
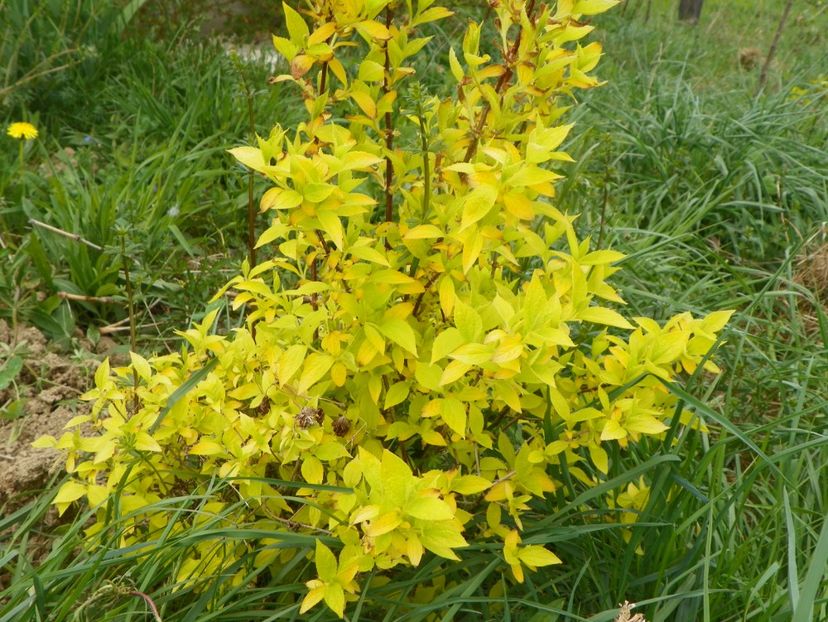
column 419, row 300
column 389, row 133
column 323, row 81
column 501, row 83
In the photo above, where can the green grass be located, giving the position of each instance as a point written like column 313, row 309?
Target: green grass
column 713, row 191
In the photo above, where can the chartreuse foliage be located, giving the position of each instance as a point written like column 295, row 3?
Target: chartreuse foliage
column 429, row 349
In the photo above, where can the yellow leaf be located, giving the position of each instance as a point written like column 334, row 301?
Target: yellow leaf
column 454, row 64
column 285, row 47
column 384, row 524
column 477, row 204
column 536, row 556
column 453, row 371
column 316, row 366
column 279, row 198
column 401, row 333
column 441, row 537
column 371, row 71
column 373, row 30
column 69, row 492
column 599, row 458
column 396, row 394
column 290, row 362
column 332, row 226
column 300, row 65
column 716, row 321
column 414, row 550
column 365, row 102
column 472, row 246
column 332, row 450
column 206, row 447
column 454, row 415
column 423, row 232
column 431, row 15
column 429, row 508
column 141, row 365
column 447, row 296
column 339, row 374
column 251, row 157
column 47, row 441
column 316, row 192
column 325, row 562
column 519, row 205
column 470, row 484
column 322, row 34
column 339, row 71
column 335, row 598
column 312, row 470
column 529, row 175
column 613, row 431
column 368, row 512
column 97, row 495
column 468, row 321
column 593, row 7
column 312, row 598
column 276, row 231
column 297, row 28
column 601, row 315
column 102, row 374
column 359, row 160
column 144, row 442
column 645, row 424
column 369, row 254
column 446, row 343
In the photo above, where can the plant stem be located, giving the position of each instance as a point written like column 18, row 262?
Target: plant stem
column 763, row 76
column 251, row 203
column 66, row 234
column 604, row 204
column 323, row 80
column 133, row 330
column 426, row 163
column 501, row 83
column 389, row 133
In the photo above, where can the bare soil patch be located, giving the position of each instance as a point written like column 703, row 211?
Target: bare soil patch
column 49, row 387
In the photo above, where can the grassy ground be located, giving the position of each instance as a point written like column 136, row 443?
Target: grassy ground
column 717, row 192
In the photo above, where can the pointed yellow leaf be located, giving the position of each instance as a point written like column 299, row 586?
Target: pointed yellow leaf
column 365, row 102
column 312, row 598
column 316, row 366
column 608, row 317
column 429, row 508
column 322, row 33
column 297, row 28
column 536, row 556
column 290, row 362
column 454, row 415
column 373, row 30
column 69, row 492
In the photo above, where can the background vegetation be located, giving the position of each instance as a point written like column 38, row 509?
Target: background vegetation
column 716, row 189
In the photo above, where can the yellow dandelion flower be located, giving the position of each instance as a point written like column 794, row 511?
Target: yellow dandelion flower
column 22, row 130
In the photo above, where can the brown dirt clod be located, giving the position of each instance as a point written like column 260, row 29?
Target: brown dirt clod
column 49, row 385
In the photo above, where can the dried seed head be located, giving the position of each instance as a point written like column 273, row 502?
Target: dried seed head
column 626, row 615
column 309, row 416
column 342, row 425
